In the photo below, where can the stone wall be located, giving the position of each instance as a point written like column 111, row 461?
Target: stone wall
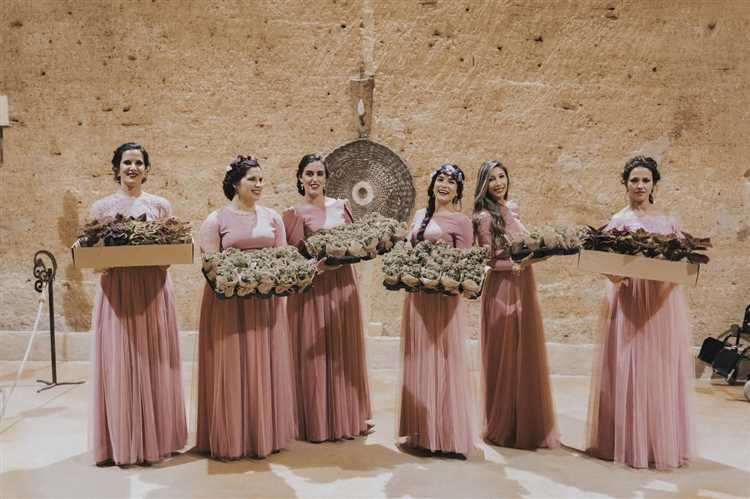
column 562, row 92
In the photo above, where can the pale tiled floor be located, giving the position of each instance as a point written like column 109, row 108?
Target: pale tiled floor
column 43, row 454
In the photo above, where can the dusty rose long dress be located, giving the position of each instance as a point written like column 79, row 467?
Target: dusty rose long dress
column 328, row 341
column 436, row 399
column 245, row 394
column 518, row 407
column 138, row 408
column 640, row 407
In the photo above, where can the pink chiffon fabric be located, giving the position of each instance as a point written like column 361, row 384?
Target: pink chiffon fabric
column 640, row 406
column 138, row 408
column 436, row 403
column 518, row 407
column 328, row 344
column 245, row 393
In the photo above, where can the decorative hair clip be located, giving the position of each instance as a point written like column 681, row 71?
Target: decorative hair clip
column 457, row 173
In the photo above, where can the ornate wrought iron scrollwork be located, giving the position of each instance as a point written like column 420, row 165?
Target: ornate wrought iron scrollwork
column 44, row 274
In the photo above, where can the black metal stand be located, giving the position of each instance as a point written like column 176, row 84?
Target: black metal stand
column 46, row 276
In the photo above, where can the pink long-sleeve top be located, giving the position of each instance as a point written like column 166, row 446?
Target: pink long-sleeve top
column 500, row 260
column 305, row 219
column 454, row 228
column 229, row 227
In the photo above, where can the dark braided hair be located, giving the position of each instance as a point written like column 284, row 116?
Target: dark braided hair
column 642, row 162
column 306, row 160
column 456, row 174
column 117, row 158
column 236, row 171
column 483, row 201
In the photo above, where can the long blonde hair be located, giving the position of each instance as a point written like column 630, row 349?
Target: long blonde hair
column 483, row 201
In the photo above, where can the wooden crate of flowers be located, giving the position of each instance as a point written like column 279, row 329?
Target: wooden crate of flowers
column 122, row 241
column 643, row 255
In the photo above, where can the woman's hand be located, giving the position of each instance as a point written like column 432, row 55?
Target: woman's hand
column 321, row 266
column 618, row 279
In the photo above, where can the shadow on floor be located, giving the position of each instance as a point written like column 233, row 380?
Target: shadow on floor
column 356, row 468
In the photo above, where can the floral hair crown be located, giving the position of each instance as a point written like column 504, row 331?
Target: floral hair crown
column 240, row 159
column 451, row 170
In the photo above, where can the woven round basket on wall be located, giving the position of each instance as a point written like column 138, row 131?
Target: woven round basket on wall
column 372, row 177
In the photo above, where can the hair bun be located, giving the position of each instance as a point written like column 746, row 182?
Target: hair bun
column 641, row 162
column 241, row 160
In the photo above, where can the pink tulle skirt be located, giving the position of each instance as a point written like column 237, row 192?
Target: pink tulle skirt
column 518, row 407
column 245, row 394
column 640, row 407
column 330, row 368
column 138, row 409
column 436, row 402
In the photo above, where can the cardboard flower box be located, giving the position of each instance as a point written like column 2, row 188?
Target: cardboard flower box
column 639, row 267
column 104, row 257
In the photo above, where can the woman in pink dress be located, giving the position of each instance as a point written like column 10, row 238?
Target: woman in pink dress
column 518, row 408
column 640, row 407
column 435, row 414
column 245, row 392
column 138, row 409
column 328, row 344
